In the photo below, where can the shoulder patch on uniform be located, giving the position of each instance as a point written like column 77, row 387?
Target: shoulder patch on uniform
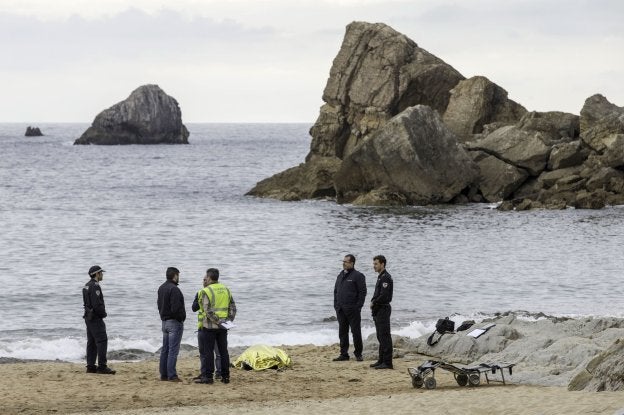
column 385, row 285
column 97, row 292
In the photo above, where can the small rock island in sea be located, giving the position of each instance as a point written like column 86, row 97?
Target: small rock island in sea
column 33, row 132
column 401, row 127
column 147, row 116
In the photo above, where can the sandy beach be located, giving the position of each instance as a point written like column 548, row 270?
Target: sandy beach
column 314, row 384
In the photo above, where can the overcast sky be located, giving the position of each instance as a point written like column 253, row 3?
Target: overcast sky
column 268, row 60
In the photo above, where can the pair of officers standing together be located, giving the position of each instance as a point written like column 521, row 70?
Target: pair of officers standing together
column 214, row 303
column 349, row 295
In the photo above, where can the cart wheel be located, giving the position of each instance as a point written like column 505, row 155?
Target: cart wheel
column 474, row 379
column 462, row 379
column 430, row 383
column 417, row 381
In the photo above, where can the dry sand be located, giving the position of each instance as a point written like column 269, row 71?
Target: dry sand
column 314, row 385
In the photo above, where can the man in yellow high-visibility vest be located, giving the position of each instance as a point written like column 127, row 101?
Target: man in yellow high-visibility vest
column 201, row 338
column 219, row 307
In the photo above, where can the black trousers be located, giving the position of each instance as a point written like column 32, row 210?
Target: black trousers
column 97, row 343
column 349, row 318
column 382, row 327
column 218, row 336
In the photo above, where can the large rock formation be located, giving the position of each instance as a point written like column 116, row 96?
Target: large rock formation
column 525, row 159
column 147, row 116
column 377, row 74
column 414, row 157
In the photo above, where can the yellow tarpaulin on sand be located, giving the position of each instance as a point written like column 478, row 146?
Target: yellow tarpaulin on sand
column 262, row 357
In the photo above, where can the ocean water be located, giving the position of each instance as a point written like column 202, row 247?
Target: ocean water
column 135, row 210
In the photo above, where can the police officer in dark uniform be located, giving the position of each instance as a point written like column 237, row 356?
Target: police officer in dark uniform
column 349, row 294
column 94, row 314
column 381, row 310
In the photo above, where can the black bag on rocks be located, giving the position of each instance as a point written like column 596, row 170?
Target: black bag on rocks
column 444, row 325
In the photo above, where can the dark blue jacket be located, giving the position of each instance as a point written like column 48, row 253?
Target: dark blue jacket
column 93, row 298
column 350, row 289
column 383, row 290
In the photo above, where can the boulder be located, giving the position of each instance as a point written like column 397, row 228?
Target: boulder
column 147, row 116
column 497, row 179
column 377, row 73
column 529, row 189
column 32, row 132
column 549, row 178
column 591, row 200
column 517, row 147
column 313, row 179
column 600, row 121
column 605, row 372
column 476, row 102
column 555, row 126
column 569, row 154
column 414, row 155
column 605, row 178
column 613, row 151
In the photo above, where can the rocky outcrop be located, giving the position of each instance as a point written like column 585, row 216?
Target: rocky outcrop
column 414, row 157
column 377, row 74
column 604, row 372
column 33, row 132
column 601, row 123
column 476, row 102
column 584, row 169
column 307, row 181
column 548, row 351
column 358, row 154
column 147, row 116
column 497, row 179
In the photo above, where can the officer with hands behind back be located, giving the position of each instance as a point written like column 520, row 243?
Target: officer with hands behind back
column 94, row 314
column 381, row 310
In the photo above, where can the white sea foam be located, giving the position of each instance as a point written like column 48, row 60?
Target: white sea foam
column 65, row 348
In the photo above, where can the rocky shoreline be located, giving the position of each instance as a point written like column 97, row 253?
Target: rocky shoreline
column 580, row 354
column 401, row 127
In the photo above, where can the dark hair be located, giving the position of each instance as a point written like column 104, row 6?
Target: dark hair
column 381, row 259
column 351, row 258
column 172, row 272
column 213, row 274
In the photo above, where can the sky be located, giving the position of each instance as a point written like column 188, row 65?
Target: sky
column 269, row 60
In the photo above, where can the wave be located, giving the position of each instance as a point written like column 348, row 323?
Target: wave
column 34, row 346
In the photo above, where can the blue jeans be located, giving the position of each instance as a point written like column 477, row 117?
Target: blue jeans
column 172, row 337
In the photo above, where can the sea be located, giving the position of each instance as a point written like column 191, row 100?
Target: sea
column 136, row 210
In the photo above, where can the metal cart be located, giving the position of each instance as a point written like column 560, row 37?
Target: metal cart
column 424, row 375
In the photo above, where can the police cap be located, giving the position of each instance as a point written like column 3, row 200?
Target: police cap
column 94, row 270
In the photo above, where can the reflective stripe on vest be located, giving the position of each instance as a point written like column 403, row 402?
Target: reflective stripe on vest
column 219, row 299
column 201, row 315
